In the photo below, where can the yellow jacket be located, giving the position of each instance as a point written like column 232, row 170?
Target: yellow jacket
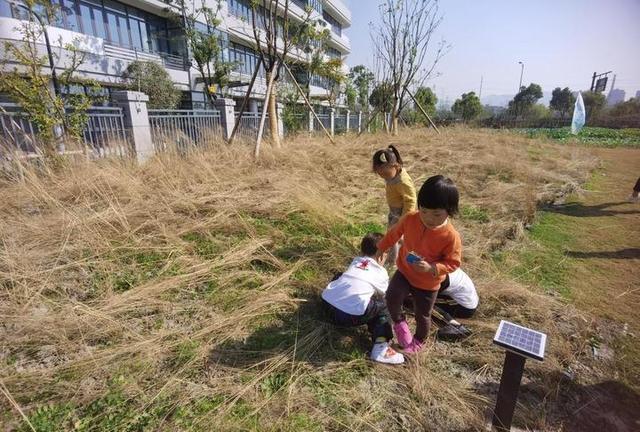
column 401, row 193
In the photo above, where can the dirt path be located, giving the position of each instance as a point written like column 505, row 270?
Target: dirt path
column 606, row 251
column 604, row 279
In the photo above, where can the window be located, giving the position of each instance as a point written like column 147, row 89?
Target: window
column 115, row 22
column 136, row 38
column 5, row 8
column 240, row 9
column 333, row 53
column 315, row 5
column 335, row 25
column 68, row 15
column 246, row 58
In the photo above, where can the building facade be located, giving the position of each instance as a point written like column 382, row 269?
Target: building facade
column 114, row 33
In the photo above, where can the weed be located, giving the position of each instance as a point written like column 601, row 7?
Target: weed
column 474, row 213
column 544, row 263
column 591, row 136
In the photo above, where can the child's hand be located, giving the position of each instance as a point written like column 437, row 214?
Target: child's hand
column 422, row 266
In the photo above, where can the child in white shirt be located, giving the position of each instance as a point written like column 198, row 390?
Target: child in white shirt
column 356, row 297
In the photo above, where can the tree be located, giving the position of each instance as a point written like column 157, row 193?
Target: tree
column 562, row 101
column 381, row 97
column 206, row 47
column 362, row 78
column 628, row 108
column 427, row 99
column 314, row 43
column 55, row 116
column 525, row 99
column 151, row 78
column 467, row 107
column 402, row 44
column 593, row 103
column 274, row 35
column 351, row 94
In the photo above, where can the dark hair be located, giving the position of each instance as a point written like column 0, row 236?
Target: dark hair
column 439, row 192
column 369, row 244
column 390, row 155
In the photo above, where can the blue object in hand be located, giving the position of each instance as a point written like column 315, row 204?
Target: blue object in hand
column 412, row 258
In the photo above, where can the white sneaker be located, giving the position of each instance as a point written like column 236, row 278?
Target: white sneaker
column 383, row 353
column 633, row 198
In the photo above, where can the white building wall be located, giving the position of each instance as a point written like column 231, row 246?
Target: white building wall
column 105, row 62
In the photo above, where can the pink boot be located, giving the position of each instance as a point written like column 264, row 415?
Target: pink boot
column 403, row 334
column 414, row 347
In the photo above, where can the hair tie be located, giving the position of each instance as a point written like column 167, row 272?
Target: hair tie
column 383, row 158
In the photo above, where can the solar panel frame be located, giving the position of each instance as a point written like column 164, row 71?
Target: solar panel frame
column 521, row 340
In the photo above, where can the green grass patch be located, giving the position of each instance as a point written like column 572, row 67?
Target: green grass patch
column 476, row 214
column 592, row 136
column 543, row 261
column 112, row 411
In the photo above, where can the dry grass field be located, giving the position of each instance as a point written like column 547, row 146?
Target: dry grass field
column 182, row 295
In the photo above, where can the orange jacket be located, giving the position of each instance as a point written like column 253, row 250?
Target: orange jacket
column 440, row 246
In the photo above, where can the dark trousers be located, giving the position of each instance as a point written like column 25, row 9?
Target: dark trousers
column 445, row 308
column 636, row 188
column 399, row 290
column 375, row 317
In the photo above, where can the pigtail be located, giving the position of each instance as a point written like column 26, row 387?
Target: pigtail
column 396, row 153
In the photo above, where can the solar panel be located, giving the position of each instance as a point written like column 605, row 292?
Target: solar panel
column 521, row 340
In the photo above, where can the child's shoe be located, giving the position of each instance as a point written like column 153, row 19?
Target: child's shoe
column 403, row 334
column 383, row 353
column 414, row 347
column 452, row 333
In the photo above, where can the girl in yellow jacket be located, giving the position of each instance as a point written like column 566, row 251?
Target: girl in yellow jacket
column 400, row 191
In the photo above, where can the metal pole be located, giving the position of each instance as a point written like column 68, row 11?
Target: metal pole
column 508, row 391
column 593, row 81
column 307, row 102
column 245, row 101
column 423, row 111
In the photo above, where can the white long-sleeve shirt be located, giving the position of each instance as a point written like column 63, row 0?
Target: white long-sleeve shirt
column 462, row 290
column 352, row 291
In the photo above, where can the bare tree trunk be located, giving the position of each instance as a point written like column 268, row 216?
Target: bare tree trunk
column 273, row 112
column 393, row 118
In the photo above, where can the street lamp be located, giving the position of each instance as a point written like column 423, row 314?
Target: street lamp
column 521, row 72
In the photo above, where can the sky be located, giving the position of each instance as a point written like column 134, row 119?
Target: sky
column 561, row 42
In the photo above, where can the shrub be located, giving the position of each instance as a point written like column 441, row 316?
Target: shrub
column 153, row 80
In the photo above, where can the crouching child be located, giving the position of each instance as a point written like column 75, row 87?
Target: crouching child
column 356, row 298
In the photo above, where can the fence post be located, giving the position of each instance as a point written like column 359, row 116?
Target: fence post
column 332, row 122
column 310, row 122
column 347, row 123
column 279, row 109
column 227, row 115
column 359, row 121
column 136, row 119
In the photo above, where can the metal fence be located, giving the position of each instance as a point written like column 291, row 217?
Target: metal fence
column 295, row 123
column 18, row 133
column 104, row 133
column 250, row 123
column 326, row 121
column 340, row 123
column 353, row 123
column 184, row 130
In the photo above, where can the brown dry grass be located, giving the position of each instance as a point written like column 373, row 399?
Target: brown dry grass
column 181, row 295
